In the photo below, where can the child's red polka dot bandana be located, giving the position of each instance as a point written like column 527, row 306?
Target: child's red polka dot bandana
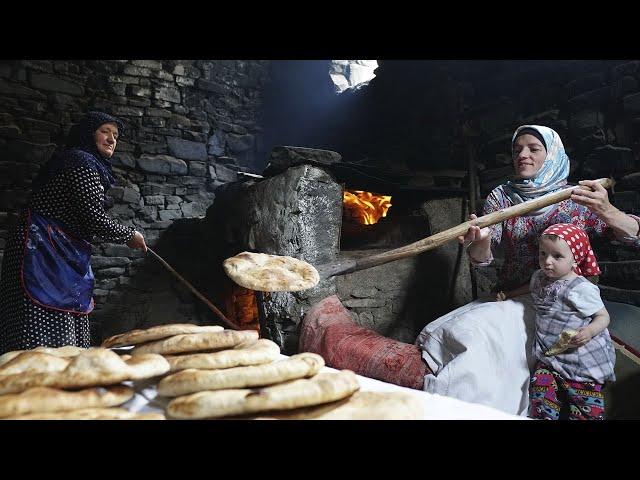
column 578, row 241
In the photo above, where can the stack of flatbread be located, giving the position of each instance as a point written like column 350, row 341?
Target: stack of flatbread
column 73, row 383
column 218, row 373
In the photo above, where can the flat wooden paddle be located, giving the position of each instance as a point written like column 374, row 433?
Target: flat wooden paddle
column 348, row 266
column 429, row 243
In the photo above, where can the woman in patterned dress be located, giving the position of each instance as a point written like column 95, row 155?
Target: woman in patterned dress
column 46, row 283
column 480, row 352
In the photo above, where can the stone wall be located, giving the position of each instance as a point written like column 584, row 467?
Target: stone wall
column 190, row 127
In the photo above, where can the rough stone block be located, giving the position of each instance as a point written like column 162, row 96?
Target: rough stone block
column 169, row 214
column 631, row 103
column 109, row 272
column 17, row 90
column 102, row 262
column 187, row 149
column 594, row 99
column 130, row 195
column 225, row 174
column 240, row 143
column 198, row 169
column 150, row 64
column 193, row 209
column 163, row 164
column 123, row 159
column 154, row 199
column 136, row 71
column 167, row 94
column 56, row 84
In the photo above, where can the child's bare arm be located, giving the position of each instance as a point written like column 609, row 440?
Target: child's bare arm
column 599, row 322
column 521, row 290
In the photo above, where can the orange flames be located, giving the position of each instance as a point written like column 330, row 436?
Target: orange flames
column 365, row 207
column 242, row 307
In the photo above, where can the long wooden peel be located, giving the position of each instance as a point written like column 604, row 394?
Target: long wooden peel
column 429, row 243
column 211, row 306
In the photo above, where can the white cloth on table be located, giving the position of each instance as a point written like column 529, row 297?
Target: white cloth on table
column 481, row 353
column 436, row 407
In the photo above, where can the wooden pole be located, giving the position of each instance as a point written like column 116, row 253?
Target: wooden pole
column 211, row 306
column 429, row 243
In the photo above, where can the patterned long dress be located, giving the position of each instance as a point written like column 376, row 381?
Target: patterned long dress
column 74, row 197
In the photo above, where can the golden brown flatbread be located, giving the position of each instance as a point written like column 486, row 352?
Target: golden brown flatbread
column 251, row 353
column 562, row 343
column 359, row 406
column 270, row 273
column 48, row 400
column 34, row 362
column 94, row 367
column 190, row 381
column 322, row 388
column 197, row 342
column 91, row 414
column 134, row 337
column 66, row 351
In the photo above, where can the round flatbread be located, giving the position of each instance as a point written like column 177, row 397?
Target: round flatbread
column 359, row 406
column 95, row 367
column 197, row 342
column 66, row 351
column 134, row 337
column 190, row 381
column 322, row 388
column 91, row 414
column 563, row 343
column 49, row 400
column 34, row 362
column 270, row 273
column 245, row 354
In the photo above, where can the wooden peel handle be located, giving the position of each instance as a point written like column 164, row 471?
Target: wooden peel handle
column 204, row 299
column 446, row 236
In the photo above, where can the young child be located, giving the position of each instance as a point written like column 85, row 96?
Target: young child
column 568, row 384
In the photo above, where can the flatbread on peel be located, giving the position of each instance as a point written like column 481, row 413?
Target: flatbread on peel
column 270, row 273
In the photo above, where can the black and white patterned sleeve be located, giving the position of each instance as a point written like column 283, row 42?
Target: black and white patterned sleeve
column 87, row 194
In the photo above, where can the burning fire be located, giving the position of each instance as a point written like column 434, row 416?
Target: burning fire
column 365, row 207
column 242, row 307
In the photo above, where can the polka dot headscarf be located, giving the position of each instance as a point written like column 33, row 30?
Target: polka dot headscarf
column 578, row 241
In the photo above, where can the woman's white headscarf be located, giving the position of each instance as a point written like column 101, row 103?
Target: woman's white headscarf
column 552, row 175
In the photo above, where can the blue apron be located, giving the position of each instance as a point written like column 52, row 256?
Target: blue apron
column 56, row 270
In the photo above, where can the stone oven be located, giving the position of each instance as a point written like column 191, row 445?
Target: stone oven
column 297, row 208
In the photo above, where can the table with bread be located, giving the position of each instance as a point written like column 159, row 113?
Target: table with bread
column 184, row 371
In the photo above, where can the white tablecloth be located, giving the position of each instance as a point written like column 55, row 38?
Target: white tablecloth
column 436, row 407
